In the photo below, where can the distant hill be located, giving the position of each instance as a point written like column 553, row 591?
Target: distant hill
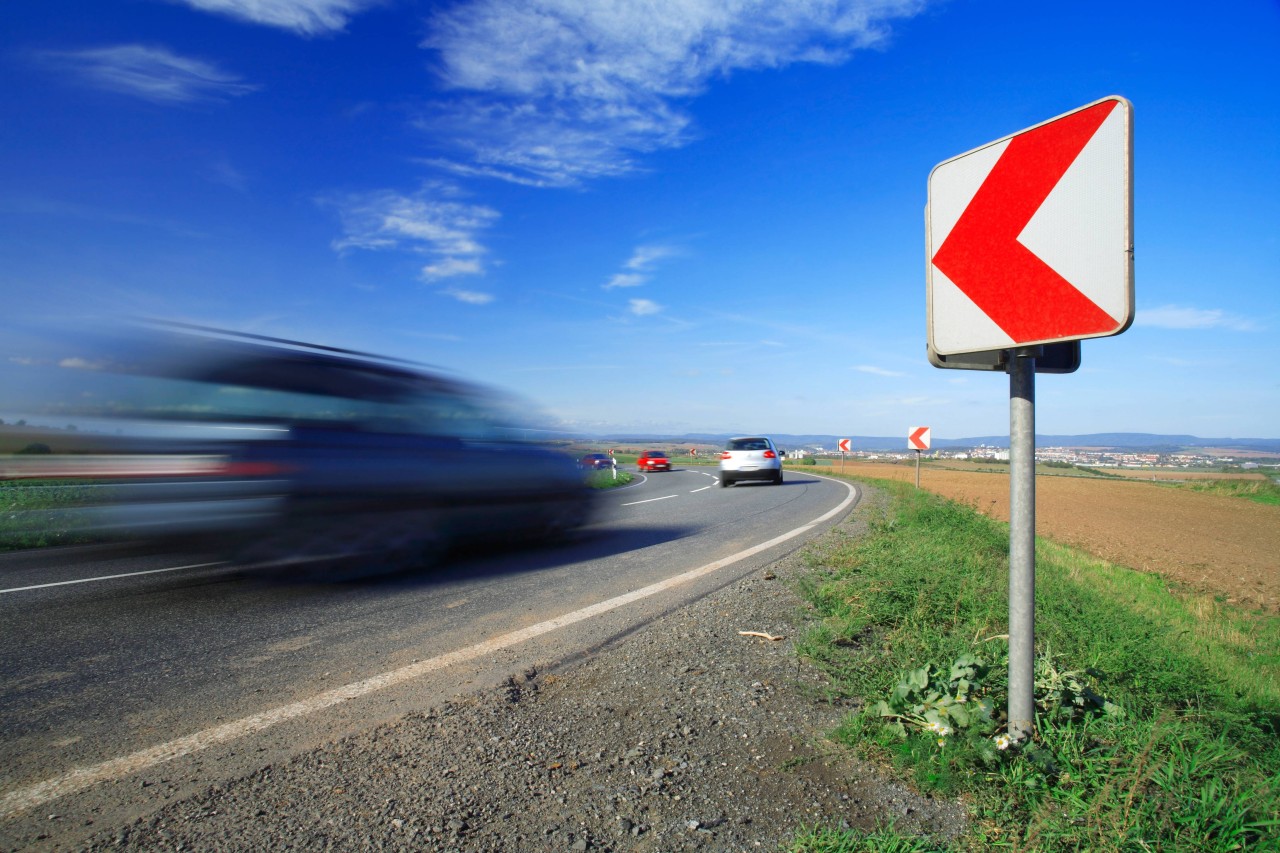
column 1136, row 441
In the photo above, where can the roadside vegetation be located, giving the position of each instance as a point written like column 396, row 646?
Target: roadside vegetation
column 31, row 512
column 1259, row 491
column 1158, row 709
column 606, row 478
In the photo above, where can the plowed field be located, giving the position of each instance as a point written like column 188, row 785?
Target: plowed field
column 1209, row 542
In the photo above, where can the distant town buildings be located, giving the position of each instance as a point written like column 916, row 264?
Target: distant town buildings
column 1081, row 457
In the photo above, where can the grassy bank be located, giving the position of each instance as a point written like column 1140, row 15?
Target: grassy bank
column 1158, row 711
column 608, row 478
column 30, row 512
column 1260, row 491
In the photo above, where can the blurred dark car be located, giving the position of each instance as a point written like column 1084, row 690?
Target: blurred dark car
column 595, row 461
column 279, row 453
column 653, row 460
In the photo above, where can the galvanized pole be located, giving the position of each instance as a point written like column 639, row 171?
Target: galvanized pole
column 917, row 469
column 1022, row 541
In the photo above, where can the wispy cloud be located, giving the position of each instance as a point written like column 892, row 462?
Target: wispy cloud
column 222, row 172
column 471, row 297
column 638, row 268
column 151, row 73
column 625, row 279
column 1183, row 317
column 644, row 307
column 445, row 229
column 303, row 17
column 876, row 371
column 557, row 92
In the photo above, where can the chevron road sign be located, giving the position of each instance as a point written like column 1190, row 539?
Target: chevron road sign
column 1030, row 237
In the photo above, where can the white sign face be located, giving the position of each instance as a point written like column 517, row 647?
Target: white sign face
column 918, row 438
column 1030, row 238
column 844, row 445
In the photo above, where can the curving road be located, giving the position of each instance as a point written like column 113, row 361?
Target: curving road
column 127, row 678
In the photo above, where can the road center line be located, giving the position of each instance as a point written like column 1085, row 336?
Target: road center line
column 34, row 796
column 651, row 500
column 703, row 489
column 109, row 577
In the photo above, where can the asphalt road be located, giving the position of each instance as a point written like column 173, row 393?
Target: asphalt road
column 122, row 674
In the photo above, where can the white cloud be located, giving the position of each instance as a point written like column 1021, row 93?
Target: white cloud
column 450, row 267
column 77, row 363
column 1183, row 317
column 645, row 257
column 445, row 229
column 625, row 279
column 561, row 91
column 876, row 371
column 643, row 307
column 471, row 297
column 151, row 73
column 303, row 17
column 638, row 266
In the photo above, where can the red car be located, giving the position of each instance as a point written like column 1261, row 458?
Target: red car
column 653, row 460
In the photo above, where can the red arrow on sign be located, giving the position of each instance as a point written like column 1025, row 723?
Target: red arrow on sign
column 918, row 438
column 843, row 444
column 983, row 257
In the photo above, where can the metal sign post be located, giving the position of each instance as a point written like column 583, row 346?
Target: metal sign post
column 918, row 452
column 1022, row 541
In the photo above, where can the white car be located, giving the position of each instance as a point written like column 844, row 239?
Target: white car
column 750, row 458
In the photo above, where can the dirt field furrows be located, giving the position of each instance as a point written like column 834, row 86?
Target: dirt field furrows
column 1219, row 544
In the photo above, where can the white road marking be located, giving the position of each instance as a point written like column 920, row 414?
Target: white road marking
column 651, row 500
column 109, row 577
column 34, row 796
column 703, row 489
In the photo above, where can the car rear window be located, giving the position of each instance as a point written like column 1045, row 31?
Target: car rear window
column 747, row 444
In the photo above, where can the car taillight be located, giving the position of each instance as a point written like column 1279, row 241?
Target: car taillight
column 769, row 454
column 726, row 455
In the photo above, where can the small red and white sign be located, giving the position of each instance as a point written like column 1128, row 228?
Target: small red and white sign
column 918, row 438
column 844, row 444
column 1030, row 237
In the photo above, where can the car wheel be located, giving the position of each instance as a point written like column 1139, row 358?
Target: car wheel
column 725, row 481
column 777, row 481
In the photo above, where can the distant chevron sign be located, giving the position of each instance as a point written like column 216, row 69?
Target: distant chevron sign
column 1030, row 238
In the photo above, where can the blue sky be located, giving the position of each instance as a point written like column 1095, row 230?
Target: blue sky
column 644, row 216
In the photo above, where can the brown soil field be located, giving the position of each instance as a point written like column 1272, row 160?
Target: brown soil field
column 1211, row 543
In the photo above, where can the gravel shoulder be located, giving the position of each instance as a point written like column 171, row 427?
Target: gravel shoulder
column 684, row 735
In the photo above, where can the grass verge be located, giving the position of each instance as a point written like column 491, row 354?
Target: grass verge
column 608, row 478
column 31, row 512
column 1259, row 491
column 1157, row 710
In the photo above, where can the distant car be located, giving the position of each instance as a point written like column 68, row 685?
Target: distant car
column 287, row 454
column 653, row 460
column 750, row 458
column 595, row 461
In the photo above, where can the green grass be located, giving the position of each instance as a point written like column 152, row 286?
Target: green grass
column 605, row 479
column 1259, row 491
column 1183, row 755
column 29, row 512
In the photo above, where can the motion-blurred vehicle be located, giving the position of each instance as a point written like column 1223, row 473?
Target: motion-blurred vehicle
column 750, row 458
column 280, row 453
column 595, row 461
column 653, row 460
